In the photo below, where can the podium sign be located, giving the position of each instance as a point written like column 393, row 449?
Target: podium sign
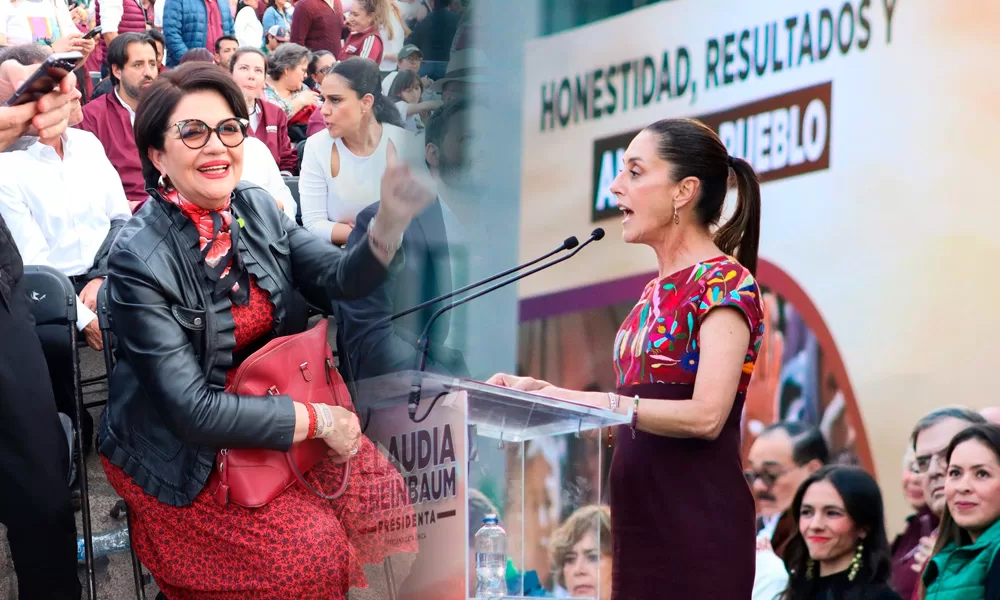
column 474, row 436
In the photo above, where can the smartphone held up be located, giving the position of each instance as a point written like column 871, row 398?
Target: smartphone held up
column 46, row 78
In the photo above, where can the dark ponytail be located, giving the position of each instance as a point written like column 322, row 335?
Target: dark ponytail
column 740, row 236
column 694, row 150
column 363, row 76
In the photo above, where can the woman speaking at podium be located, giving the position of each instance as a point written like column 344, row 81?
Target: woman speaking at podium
column 682, row 513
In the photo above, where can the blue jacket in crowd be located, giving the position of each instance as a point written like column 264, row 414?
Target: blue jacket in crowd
column 185, row 26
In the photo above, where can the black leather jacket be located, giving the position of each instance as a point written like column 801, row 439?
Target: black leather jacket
column 11, row 267
column 167, row 412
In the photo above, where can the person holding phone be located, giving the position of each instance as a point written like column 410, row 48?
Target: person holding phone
column 20, row 19
column 48, row 117
column 35, row 505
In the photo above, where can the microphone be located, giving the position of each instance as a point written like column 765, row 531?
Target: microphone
column 568, row 244
column 423, row 343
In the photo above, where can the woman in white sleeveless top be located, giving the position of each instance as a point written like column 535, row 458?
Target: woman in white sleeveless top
column 342, row 166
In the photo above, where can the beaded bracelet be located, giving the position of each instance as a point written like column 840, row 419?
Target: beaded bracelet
column 635, row 415
column 311, row 411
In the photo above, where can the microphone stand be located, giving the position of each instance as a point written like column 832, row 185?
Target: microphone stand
column 423, row 342
column 568, row 244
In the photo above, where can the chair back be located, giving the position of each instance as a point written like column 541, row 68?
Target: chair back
column 293, row 187
column 50, row 295
column 104, row 322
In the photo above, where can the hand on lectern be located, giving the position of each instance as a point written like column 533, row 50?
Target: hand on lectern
column 525, row 384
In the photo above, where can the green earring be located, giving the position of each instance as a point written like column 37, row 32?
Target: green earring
column 856, row 562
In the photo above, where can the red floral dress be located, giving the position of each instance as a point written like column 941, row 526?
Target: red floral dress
column 297, row 546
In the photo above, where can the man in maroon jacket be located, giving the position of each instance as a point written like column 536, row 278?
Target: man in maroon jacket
column 132, row 58
column 318, row 25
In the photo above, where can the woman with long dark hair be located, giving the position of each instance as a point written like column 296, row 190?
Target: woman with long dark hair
column 841, row 551
column 682, row 514
column 964, row 564
column 342, row 166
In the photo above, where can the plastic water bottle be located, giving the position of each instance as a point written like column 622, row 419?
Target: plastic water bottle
column 105, row 543
column 491, row 559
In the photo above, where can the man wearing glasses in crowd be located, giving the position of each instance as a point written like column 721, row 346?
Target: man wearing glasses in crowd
column 780, row 459
column 930, row 439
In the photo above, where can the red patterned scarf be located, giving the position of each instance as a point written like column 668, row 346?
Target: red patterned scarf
column 217, row 242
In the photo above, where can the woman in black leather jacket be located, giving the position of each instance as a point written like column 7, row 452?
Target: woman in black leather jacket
column 199, row 278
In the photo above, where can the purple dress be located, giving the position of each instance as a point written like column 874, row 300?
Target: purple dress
column 682, row 513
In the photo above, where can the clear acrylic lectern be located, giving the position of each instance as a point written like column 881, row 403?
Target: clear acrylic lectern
column 481, row 448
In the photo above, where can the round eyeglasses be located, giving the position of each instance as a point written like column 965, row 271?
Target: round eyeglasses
column 195, row 133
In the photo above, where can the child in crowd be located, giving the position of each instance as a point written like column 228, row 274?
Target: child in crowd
column 405, row 94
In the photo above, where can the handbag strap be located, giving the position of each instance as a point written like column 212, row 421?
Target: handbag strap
column 298, row 475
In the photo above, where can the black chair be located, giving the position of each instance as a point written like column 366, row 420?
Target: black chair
column 53, row 302
column 104, row 320
column 293, row 186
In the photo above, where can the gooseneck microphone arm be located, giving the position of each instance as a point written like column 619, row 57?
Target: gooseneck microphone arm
column 423, row 342
column 568, row 244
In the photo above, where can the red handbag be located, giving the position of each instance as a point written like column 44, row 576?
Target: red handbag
column 300, row 366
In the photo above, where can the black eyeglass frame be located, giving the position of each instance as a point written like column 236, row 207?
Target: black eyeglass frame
column 242, row 123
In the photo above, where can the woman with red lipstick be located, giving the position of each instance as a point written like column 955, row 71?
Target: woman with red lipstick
column 841, row 552
column 965, row 565
column 683, row 517
column 202, row 276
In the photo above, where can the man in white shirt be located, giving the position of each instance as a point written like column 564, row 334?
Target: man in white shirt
column 64, row 209
column 35, row 503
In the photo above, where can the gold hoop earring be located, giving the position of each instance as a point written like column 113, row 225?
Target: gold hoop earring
column 856, row 562
column 677, row 218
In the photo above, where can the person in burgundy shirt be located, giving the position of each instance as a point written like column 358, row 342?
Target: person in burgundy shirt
column 318, row 25
column 133, row 62
column 268, row 122
column 918, row 525
column 364, row 40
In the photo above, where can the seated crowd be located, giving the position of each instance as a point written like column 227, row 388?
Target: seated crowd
column 202, row 152
column 172, row 186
